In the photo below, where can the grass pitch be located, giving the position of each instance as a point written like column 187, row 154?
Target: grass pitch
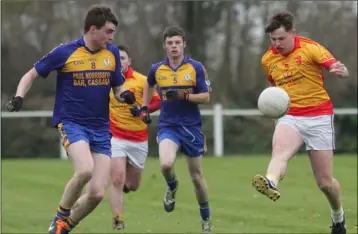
column 31, row 191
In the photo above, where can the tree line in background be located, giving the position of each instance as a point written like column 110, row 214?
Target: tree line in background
column 226, row 36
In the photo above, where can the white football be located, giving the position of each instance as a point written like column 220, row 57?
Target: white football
column 273, row 102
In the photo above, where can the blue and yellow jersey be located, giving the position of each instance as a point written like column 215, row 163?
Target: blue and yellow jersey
column 84, row 80
column 189, row 77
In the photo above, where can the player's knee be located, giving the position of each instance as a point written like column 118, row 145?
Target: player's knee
column 166, row 166
column 96, row 194
column 84, row 176
column 118, row 179
column 197, row 178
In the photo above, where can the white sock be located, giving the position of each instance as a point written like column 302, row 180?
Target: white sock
column 272, row 179
column 337, row 216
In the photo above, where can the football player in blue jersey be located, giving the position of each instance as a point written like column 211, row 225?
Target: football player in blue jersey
column 183, row 84
column 86, row 71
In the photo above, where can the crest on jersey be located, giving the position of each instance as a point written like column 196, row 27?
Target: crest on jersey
column 187, row 77
column 106, row 61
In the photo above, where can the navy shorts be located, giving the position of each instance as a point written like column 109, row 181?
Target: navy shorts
column 190, row 139
column 99, row 140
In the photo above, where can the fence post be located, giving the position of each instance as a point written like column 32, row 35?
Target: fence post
column 218, row 130
column 63, row 153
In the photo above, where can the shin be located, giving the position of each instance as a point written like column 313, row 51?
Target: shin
column 96, row 188
column 118, row 177
column 200, row 186
column 197, row 177
column 167, row 155
column 83, row 165
column 322, row 166
column 285, row 143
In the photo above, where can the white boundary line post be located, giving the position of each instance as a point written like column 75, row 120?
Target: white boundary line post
column 63, row 153
column 218, row 130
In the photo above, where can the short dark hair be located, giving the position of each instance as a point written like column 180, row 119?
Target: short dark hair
column 124, row 48
column 99, row 15
column 281, row 19
column 173, row 30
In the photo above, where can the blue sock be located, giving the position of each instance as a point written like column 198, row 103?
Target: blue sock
column 62, row 213
column 172, row 183
column 204, row 210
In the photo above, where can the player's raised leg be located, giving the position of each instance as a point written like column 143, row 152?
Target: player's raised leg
column 116, row 198
column 167, row 154
column 96, row 189
column 285, row 143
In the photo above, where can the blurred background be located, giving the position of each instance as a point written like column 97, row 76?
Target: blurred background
column 227, row 37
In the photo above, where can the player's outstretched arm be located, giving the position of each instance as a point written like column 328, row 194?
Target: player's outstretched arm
column 26, row 82
column 339, row 69
column 22, row 89
column 124, row 95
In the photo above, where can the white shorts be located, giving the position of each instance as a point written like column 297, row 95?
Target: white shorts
column 136, row 152
column 317, row 131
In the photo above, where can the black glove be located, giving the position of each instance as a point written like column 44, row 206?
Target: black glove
column 128, row 97
column 15, row 104
column 173, row 95
column 144, row 115
column 135, row 110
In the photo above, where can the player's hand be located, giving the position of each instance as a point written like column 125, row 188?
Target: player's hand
column 173, row 95
column 135, row 111
column 15, row 104
column 144, row 115
column 339, row 69
column 128, row 97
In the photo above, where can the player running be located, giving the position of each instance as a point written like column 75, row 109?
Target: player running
column 295, row 64
column 129, row 139
column 86, row 71
column 183, row 84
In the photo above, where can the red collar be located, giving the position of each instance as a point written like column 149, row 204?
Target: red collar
column 129, row 73
column 296, row 45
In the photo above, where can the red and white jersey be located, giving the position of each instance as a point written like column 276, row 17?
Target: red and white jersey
column 122, row 124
